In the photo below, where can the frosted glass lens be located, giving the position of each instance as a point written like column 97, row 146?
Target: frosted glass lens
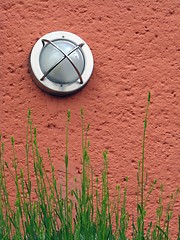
column 63, row 72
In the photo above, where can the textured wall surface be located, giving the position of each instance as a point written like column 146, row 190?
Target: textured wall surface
column 136, row 48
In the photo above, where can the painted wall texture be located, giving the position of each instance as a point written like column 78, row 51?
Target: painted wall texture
column 136, row 48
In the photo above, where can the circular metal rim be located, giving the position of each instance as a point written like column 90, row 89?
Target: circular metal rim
column 56, row 88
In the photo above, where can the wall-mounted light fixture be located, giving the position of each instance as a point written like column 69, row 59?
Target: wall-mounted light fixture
column 61, row 63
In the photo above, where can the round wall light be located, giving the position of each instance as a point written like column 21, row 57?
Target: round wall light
column 61, row 63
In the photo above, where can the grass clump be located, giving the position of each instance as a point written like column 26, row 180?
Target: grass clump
column 46, row 211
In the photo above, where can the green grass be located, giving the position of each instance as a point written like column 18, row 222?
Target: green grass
column 45, row 210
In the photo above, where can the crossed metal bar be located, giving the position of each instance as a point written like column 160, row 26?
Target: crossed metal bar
column 65, row 56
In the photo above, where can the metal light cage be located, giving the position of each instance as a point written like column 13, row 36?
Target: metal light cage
column 61, row 63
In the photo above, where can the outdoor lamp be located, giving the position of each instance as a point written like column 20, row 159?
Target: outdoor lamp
column 61, row 63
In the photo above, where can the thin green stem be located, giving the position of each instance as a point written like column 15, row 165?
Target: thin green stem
column 143, row 153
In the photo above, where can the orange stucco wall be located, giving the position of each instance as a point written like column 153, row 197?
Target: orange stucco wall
column 136, row 48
